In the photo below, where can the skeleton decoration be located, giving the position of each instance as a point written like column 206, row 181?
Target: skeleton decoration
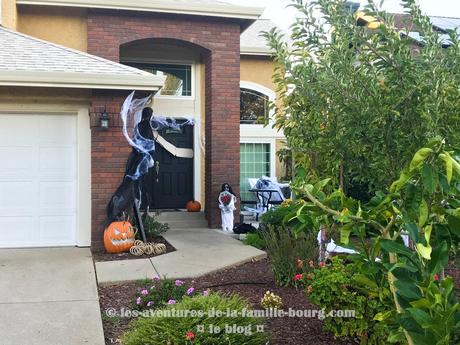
column 140, row 128
column 227, row 201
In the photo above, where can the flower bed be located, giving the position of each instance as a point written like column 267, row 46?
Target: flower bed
column 255, row 279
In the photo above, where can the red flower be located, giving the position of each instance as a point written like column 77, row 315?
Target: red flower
column 436, row 277
column 322, row 264
column 298, row 277
column 189, row 335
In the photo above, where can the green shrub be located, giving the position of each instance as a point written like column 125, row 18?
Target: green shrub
column 254, row 239
column 200, row 327
column 333, row 287
column 160, row 292
column 152, row 227
column 276, row 216
column 288, row 253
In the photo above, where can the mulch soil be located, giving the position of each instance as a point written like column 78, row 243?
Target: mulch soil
column 99, row 256
column 250, row 281
column 253, row 280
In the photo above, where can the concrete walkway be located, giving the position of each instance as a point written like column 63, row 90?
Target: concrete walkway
column 49, row 297
column 198, row 252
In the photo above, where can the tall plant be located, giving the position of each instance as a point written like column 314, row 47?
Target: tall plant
column 356, row 101
column 423, row 204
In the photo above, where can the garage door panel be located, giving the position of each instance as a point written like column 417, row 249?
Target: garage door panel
column 57, row 129
column 57, row 196
column 17, row 161
column 57, row 161
column 18, row 129
column 15, row 194
column 57, row 229
column 16, row 230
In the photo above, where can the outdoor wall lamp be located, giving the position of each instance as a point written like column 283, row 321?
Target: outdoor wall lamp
column 104, row 120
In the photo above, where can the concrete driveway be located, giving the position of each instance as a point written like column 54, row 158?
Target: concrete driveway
column 49, row 297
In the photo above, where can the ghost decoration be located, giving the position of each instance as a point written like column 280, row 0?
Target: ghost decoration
column 227, row 201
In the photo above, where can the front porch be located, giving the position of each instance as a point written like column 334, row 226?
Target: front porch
column 199, row 251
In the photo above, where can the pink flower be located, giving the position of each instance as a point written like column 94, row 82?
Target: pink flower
column 144, row 292
column 138, row 301
column 206, row 293
column 171, row 301
column 149, row 304
column 190, row 291
column 189, row 335
column 436, row 277
column 298, row 277
column 179, row 282
column 322, row 264
column 156, row 278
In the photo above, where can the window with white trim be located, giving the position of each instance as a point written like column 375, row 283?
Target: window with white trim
column 254, row 106
column 178, row 77
column 255, row 162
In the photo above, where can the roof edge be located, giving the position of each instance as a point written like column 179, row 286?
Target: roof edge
column 80, row 80
column 234, row 11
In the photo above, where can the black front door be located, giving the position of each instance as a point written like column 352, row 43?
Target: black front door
column 169, row 184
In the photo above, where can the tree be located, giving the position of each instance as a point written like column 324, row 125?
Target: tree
column 357, row 101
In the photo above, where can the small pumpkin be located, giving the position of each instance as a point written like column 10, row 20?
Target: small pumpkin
column 119, row 237
column 193, row 206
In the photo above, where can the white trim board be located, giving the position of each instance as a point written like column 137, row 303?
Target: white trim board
column 217, row 9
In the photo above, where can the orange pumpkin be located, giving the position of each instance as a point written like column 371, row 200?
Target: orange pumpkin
column 193, row 206
column 119, row 237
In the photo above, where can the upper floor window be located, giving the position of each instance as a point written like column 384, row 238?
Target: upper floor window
column 178, row 78
column 254, row 106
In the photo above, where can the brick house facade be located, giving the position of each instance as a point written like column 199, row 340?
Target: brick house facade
column 220, row 45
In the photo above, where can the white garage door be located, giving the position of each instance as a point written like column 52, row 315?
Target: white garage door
column 38, row 180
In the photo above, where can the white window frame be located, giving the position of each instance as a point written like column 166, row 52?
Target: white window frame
column 272, row 143
column 263, row 90
column 192, row 64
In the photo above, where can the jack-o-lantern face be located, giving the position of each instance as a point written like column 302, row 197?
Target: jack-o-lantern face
column 118, row 237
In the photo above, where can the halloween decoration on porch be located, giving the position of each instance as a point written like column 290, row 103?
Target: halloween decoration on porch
column 227, row 202
column 193, row 206
column 139, row 128
column 140, row 248
column 119, row 237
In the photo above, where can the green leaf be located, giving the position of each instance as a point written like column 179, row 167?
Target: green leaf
column 429, row 178
column 394, row 247
column 439, row 258
column 424, row 251
column 448, row 162
column 420, row 316
column 419, row 157
column 382, row 315
column 408, row 290
column 345, row 232
column 454, row 224
column 423, row 213
column 363, row 280
column 321, row 184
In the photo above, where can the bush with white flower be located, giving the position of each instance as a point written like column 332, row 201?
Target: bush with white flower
column 157, row 293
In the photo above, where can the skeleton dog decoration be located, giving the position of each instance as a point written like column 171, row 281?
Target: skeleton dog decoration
column 227, row 201
column 140, row 128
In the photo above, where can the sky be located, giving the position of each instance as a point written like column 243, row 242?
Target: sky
column 276, row 9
